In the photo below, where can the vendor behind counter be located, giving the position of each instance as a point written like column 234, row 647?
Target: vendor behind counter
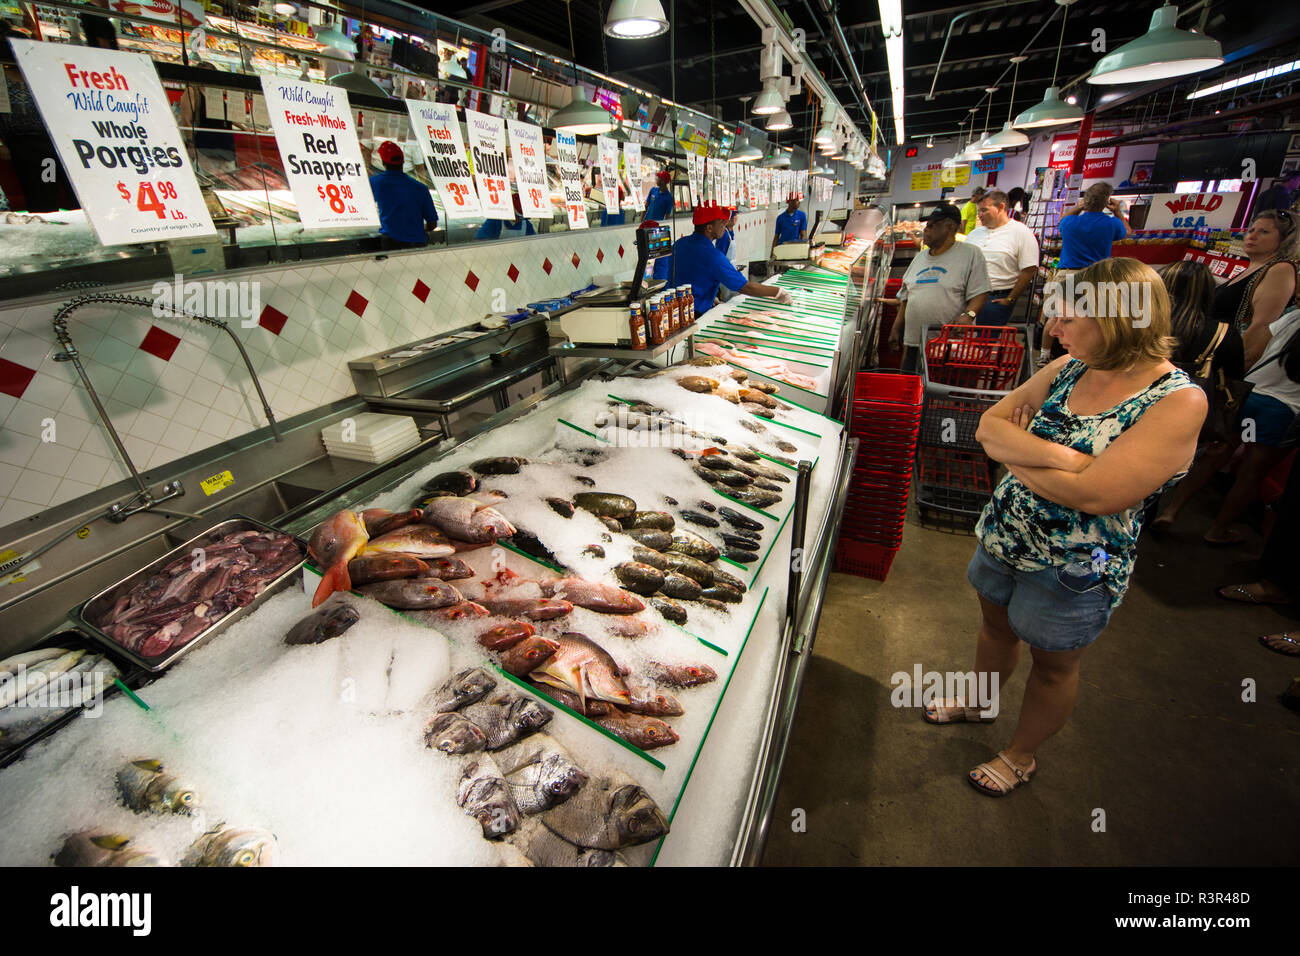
column 405, row 204
column 697, row 262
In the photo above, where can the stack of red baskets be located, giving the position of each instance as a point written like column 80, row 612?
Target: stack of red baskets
column 885, row 419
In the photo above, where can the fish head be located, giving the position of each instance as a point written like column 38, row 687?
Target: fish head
column 561, row 777
column 472, row 684
column 179, row 798
column 454, row 734
column 243, row 846
column 339, row 537
column 636, row 816
column 528, row 715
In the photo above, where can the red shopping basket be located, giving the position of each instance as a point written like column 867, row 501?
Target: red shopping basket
column 886, row 387
column 986, row 358
column 864, row 559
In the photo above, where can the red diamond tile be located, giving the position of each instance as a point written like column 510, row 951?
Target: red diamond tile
column 357, row 302
column 513, row 273
column 471, row 280
column 620, row 252
column 15, row 378
column 600, row 255
column 160, row 342
column 547, row 267
column 575, row 260
column 421, row 291
column 272, row 319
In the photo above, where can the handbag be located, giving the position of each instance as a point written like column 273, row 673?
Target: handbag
column 1224, row 395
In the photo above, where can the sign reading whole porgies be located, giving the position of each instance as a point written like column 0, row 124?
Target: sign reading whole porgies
column 110, row 122
column 322, row 159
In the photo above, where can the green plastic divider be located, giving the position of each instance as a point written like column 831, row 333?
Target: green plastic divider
column 711, row 646
column 833, row 340
column 789, row 426
column 742, row 504
column 737, row 564
column 828, row 326
column 536, row 560
column 759, row 569
column 552, row 702
column 729, row 342
column 766, row 343
column 785, row 384
column 776, row 461
column 625, row 401
column 583, row 430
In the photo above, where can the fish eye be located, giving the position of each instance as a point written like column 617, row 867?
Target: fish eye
column 245, row 858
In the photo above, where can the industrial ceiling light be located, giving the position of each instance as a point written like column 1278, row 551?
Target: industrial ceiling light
column 356, row 81
column 779, row 159
column 1243, row 80
column 1052, row 111
column 981, row 145
column 1009, row 138
column 285, row 9
column 1163, row 51
column 635, row 19
column 582, row 115
column 778, row 121
column 891, row 22
column 335, row 39
column 769, row 101
column 742, row 150
column 929, row 143
column 826, row 134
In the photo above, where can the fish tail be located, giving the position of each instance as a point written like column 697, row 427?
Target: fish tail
column 335, row 578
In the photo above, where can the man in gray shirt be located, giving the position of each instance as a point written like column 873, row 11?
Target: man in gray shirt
column 946, row 284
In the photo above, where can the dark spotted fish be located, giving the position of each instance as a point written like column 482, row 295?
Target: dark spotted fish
column 452, row 733
column 541, row 774
column 464, row 688
column 324, row 623
column 413, row 593
column 608, row 814
column 505, row 718
column 682, row 675
column 484, row 795
column 369, row 568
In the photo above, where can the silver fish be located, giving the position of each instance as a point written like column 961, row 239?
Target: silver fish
column 233, row 846
column 468, row 686
column 21, row 682
column 454, row 734
column 542, row 775
column 80, row 686
column 145, row 787
column 608, row 814
column 484, row 795
column 544, row 848
column 96, row 848
column 506, row 718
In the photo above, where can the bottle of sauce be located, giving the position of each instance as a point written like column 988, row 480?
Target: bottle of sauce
column 654, row 322
column 674, row 311
column 690, row 305
column 637, row 326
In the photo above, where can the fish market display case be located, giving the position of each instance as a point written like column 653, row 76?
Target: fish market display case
column 714, row 787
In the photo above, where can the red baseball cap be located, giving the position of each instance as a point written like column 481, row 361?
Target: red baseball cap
column 664, row 176
column 709, row 212
column 390, row 154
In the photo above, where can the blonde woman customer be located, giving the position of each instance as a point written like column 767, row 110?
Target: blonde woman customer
column 1087, row 442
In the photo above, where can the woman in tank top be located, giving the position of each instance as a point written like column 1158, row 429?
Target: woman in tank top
column 1088, row 442
column 1256, row 298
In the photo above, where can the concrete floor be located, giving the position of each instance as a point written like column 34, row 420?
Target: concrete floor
column 1186, row 772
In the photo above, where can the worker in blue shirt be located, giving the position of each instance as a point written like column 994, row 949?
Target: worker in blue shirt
column 791, row 225
column 491, row 228
column 698, row 263
column 659, row 201
column 405, row 204
column 727, row 246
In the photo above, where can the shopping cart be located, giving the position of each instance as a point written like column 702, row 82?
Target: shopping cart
column 884, row 417
column 965, row 370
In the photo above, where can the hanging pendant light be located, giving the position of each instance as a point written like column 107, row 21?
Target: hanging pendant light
column 582, row 115
column 1163, row 51
column 778, row 121
column 980, row 146
column 1008, row 138
column 742, row 150
column 1053, row 111
column 636, row 19
column 335, row 39
column 356, row 81
column 826, row 134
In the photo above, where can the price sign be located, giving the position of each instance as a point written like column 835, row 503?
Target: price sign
column 566, row 147
column 438, row 132
column 693, row 174
column 487, row 149
column 530, row 169
column 632, row 164
column 115, row 135
column 322, row 158
column 608, row 151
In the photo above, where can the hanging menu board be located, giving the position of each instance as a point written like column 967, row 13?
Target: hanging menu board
column 632, row 164
column 487, row 149
column 322, row 158
column 530, row 169
column 438, row 132
column 115, row 134
column 608, row 152
column 693, row 174
column 566, row 149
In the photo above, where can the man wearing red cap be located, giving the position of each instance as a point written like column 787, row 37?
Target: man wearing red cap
column 698, row 263
column 405, row 204
column 659, row 201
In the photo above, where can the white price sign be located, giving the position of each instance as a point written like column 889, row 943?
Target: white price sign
column 487, row 147
column 322, row 158
column 530, row 169
column 116, row 136
column 608, row 150
column 438, row 132
column 632, row 164
column 693, row 175
column 566, row 148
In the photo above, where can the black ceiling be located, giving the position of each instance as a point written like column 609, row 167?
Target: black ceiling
column 711, row 57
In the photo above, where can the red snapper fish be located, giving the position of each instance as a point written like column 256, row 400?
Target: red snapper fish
column 584, row 667
column 335, row 542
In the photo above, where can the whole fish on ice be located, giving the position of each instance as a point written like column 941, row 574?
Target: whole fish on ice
column 145, row 786
column 324, row 624
column 413, row 593
column 233, row 846
column 585, row 668
column 608, row 814
column 484, row 795
column 453, row 733
column 541, row 774
column 95, row 848
column 335, row 542
column 505, row 718
column 466, row 687
column 421, row 540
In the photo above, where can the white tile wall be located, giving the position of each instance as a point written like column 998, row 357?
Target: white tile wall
column 166, row 409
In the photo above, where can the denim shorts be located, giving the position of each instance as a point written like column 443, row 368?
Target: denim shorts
column 1272, row 418
column 1060, row 608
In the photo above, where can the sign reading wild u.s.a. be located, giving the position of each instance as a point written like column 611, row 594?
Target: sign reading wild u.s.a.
column 1192, row 210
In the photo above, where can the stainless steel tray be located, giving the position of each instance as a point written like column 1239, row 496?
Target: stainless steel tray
column 105, row 598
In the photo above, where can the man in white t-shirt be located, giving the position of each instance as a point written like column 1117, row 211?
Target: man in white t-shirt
column 1010, row 252
column 946, row 284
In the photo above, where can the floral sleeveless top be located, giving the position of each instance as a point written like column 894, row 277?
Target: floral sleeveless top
column 1031, row 533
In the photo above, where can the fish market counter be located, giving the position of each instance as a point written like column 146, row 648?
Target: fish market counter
column 575, row 639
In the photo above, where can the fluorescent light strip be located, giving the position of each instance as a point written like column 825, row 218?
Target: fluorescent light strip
column 1243, row 80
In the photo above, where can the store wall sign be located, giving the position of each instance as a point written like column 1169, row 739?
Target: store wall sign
column 694, row 175
column 989, row 164
column 116, row 137
column 438, row 132
column 575, row 209
column 530, row 169
column 632, row 164
column 191, row 11
column 487, row 149
column 1192, row 210
column 1097, row 163
column 314, row 129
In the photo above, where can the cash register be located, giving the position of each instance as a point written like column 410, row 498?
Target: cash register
column 600, row 316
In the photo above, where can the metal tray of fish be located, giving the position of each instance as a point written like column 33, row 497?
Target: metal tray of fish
column 82, row 615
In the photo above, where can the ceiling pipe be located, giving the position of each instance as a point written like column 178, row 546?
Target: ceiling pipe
column 939, row 66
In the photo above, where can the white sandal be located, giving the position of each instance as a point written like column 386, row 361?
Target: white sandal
column 955, row 706
column 1001, row 785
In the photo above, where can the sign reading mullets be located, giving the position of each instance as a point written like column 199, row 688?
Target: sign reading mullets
column 314, row 129
column 113, row 128
column 438, row 131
